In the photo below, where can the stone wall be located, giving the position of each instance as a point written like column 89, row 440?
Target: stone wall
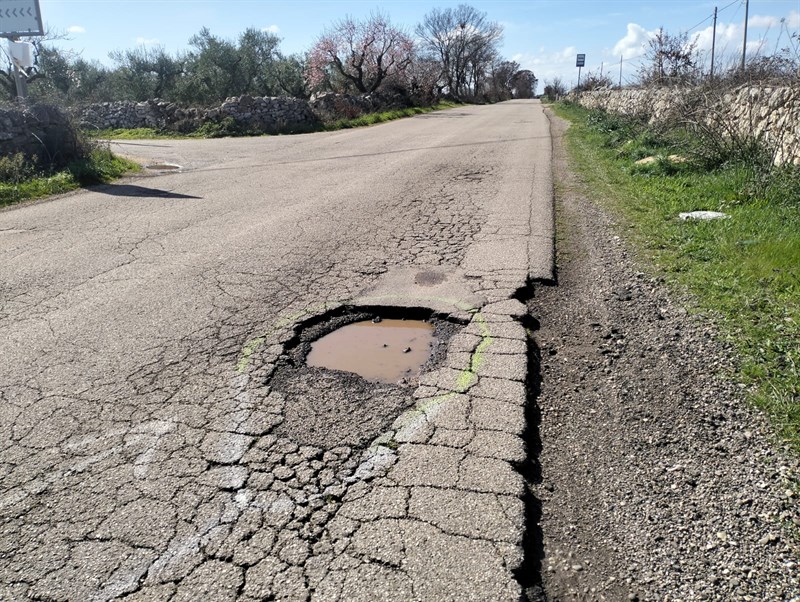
column 46, row 132
column 41, row 131
column 769, row 113
column 251, row 114
column 258, row 114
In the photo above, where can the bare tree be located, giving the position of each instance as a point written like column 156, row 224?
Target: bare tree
column 554, row 88
column 465, row 43
column 502, row 80
column 594, row 81
column 360, row 54
column 669, row 59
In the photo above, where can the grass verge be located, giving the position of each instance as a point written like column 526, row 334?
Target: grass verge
column 744, row 271
column 100, row 166
column 375, row 118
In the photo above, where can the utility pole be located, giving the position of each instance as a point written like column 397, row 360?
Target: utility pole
column 744, row 41
column 601, row 69
column 713, row 43
column 620, row 71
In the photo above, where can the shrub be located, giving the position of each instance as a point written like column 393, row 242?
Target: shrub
column 16, row 168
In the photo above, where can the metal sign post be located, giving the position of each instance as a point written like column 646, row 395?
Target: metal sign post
column 19, row 18
column 579, row 63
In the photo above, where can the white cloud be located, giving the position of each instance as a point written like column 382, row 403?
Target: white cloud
column 758, row 21
column 792, row 21
column 726, row 33
column 146, row 41
column 76, row 29
column 568, row 53
column 271, row 29
column 547, row 65
column 633, row 43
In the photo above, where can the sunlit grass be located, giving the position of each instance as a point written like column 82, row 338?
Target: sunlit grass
column 100, row 166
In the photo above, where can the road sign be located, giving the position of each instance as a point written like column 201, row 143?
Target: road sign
column 20, row 18
column 580, row 62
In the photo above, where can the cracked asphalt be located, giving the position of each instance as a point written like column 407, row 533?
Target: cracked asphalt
column 147, row 451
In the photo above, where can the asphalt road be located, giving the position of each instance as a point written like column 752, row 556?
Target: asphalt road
column 151, row 445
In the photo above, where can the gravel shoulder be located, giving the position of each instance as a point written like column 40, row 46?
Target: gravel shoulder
column 658, row 481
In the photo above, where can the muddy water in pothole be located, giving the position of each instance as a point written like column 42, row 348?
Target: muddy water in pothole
column 384, row 351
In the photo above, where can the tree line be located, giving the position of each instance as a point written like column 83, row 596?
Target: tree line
column 453, row 53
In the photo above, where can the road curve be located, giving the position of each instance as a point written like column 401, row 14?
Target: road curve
column 151, row 445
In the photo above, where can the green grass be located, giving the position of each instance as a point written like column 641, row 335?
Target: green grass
column 134, row 134
column 229, row 127
column 101, row 166
column 743, row 271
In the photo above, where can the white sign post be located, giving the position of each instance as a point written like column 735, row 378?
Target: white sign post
column 20, row 18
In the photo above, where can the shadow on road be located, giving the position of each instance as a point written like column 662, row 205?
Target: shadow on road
column 141, row 191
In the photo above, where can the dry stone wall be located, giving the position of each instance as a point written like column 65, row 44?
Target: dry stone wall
column 770, row 113
column 280, row 114
column 258, row 114
column 46, row 131
column 41, row 131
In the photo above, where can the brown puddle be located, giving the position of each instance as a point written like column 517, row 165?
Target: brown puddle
column 386, row 351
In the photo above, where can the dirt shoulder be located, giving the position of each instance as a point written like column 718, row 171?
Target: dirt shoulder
column 658, row 481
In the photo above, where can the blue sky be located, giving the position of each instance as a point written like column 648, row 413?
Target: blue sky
column 542, row 35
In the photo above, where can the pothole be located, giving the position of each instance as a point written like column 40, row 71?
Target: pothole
column 378, row 350
column 162, row 167
column 335, row 404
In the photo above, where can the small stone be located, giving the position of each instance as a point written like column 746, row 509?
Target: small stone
column 407, row 350
column 769, row 538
